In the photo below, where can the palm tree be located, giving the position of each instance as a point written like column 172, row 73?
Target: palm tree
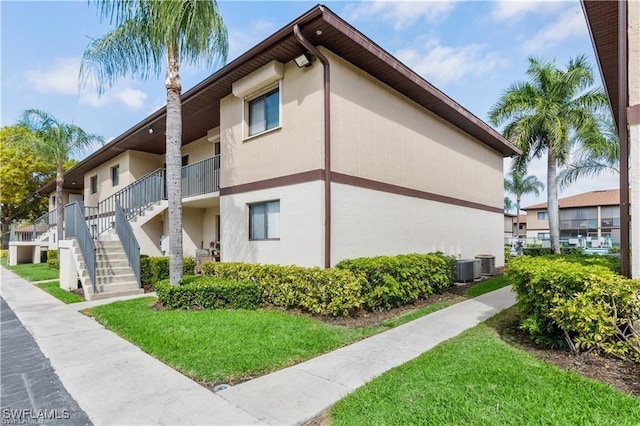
column 599, row 152
column 57, row 142
column 520, row 185
column 542, row 116
column 150, row 36
column 508, row 204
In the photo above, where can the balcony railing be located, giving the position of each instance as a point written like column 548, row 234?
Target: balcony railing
column 202, row 177
column 32, row 232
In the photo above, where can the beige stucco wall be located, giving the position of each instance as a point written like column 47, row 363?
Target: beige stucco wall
column 535, row 225
column 105, row 188
column 381, row 135
column 370, row 223
column 199, row 149
column 293, row 148
column 301, row 239
column 633, row 8
column 67, row 197
column 142, row 163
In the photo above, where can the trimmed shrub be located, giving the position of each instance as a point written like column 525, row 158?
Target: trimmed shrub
column 4, row 253
column 52, row 259
column 393, row 281
column 544, row 251
column 202, row 292
column 318, row 291
column 570, row 302
column 154, row 269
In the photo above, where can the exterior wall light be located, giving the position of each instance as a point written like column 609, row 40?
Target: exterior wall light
column 303, row 60
column 150, row 130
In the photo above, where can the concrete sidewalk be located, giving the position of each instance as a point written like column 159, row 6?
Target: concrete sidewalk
column 114, row 382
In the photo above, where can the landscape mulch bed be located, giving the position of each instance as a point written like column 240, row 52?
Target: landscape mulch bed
column 622, row 375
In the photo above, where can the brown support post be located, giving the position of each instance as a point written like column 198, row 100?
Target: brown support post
column 623, row 94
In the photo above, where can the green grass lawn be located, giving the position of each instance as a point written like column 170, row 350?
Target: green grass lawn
column 218, row 346
column 33, row 271
column 487, row 286
column 53, row 288
column 477, row 379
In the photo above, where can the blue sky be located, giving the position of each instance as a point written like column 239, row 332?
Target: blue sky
column 471, row 50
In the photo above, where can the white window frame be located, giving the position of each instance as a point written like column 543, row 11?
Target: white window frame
column 245, row 110
column 545, row 214
column 264, row 203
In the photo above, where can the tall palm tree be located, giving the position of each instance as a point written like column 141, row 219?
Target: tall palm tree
column 520, row 185
column 543, row 114
column 508, row 204
column 150, row 36
column 56, row 142
column 599, row 153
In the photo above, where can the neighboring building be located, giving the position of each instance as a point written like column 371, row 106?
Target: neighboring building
column 591, row 219
column 508, row 225
column 403, row 168
column 615, row 32
column 519, row 230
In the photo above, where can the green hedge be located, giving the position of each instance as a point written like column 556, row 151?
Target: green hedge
column 199, row 292
column 542, row 251
column 52, row 259
column 569, row 302
column 319, row 291
column 393, row 281
column 154, row 269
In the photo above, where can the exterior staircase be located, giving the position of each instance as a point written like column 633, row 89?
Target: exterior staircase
column 114, row 276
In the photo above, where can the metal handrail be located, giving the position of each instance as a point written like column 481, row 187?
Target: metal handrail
column 128, row 241
column 134, row 200
column 76, row 227
column 201, row 177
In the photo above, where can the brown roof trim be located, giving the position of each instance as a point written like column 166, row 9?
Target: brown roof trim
column 409, row 192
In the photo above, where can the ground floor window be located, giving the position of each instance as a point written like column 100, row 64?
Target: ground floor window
column 264, row 220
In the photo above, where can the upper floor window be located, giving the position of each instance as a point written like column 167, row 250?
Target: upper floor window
column 93, row 184
column 264, row 112
column 264, row 220
column 115, row 175
column 543, row 216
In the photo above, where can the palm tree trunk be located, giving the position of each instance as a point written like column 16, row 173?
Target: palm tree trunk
column 59, row 208
column 518, row 217
column 552, row 204
column 174, row 164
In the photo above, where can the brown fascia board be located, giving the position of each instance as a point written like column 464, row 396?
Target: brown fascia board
column 590, row 9
column 452, row 111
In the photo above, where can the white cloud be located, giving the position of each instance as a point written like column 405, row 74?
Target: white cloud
column 570, row 24
column 62, row 79
column 446, row 64
column 250, row 34
column 514, row 10
column 400, row 14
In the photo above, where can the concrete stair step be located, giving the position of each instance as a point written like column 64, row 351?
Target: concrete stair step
column 125, row 286
column 108, row 244
column 113, row 272
column 109, row 294
column 115, row 279
column 102, row 256
column 112, row 264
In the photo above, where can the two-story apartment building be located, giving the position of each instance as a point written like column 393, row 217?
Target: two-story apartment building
column 591, row 219
column 314, row 146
